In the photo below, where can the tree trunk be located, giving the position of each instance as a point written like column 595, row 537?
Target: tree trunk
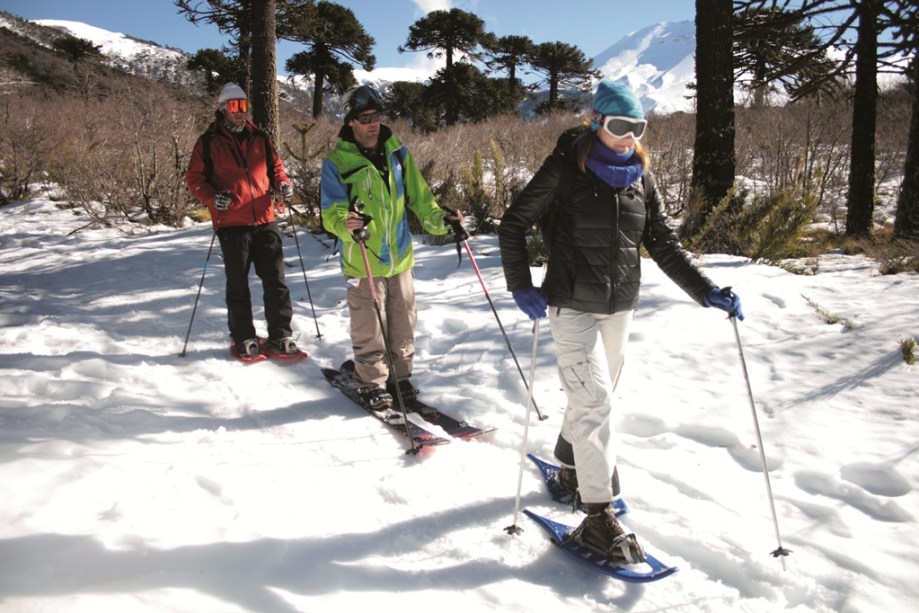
column 318, row 87
column 860, row 201
column 713, row 160
column 906, row 222
column 264, row 92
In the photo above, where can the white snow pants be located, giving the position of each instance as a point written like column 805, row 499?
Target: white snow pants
column 590, row 351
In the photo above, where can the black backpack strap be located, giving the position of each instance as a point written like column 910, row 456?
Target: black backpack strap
column 269, row 157
column 206, row 155
column 565, row 148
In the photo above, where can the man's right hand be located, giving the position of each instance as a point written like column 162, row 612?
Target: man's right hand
column 356, row 223
column 223, row 201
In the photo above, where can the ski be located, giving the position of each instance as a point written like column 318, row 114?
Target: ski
column 391, row 417
column 451, row 425
column 651, row 569
column 432, row 415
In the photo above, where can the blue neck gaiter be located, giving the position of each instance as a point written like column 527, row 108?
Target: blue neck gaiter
column 618, row 170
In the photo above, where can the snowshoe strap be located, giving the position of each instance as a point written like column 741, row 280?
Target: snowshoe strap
column 629, row 549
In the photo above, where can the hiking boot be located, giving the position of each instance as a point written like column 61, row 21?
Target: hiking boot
column 283, row 346
column 375, row 397
column 568, row 480
column 601, row 532
column 407, row 390
column 249, row 348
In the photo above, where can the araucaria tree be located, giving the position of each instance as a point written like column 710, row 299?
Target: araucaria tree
column 713, row 158
column 508, row 54
column 233, row 18
column 447, row 34
column 774, row 46
column 856, row 28
column 336, row 41
column 905, row 25
column 264, row 89
column 562, row 66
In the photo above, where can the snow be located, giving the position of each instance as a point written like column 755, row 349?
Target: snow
column 137, row 480
column 112, row 44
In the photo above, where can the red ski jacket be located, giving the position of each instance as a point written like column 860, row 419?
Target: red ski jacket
column 245, row 165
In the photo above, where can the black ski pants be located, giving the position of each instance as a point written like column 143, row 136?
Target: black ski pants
column 243, row 247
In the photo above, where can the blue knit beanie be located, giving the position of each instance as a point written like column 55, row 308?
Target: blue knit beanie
column 615, row 98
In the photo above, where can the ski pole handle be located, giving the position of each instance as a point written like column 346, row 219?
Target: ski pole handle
column 362, row 234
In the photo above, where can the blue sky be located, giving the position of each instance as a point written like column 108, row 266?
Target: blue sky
column 591, row 25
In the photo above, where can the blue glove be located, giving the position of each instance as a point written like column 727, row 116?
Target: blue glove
column 724, row 299
column 531, row 301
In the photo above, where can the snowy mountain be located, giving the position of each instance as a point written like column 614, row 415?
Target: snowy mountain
column 657, row 62
column 132, row 55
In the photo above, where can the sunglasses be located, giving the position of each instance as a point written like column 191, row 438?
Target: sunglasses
column 239, row 105
column 374, row 117
column 620, row 127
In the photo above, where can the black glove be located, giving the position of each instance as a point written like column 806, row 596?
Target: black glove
column 362, row 234
column 286, row 190
column 459, row 232
column 222, row 201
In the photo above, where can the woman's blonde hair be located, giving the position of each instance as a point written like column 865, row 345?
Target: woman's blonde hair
column 586, row 142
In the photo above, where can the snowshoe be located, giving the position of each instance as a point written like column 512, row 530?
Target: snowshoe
column 600, row 531
column 283, row 348
column 247, row 351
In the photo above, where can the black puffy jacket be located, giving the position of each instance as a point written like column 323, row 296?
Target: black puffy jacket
column 594, row 237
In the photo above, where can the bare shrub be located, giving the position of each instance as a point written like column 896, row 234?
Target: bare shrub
column 123, row 156
column 670, row 142
column 26, row 142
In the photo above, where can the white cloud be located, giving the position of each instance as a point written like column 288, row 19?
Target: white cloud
column 426, row 6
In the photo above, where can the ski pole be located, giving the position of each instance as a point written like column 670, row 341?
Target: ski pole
column 498, row 319
column 293, row 227
column 361, row 237
column 514, row 528
column 780, row 551
column 200, row 285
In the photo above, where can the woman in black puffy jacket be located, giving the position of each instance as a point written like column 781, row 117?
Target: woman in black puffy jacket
column 597, row 205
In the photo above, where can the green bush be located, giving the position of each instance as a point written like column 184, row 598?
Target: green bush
column 768, row 228
column 908, row 349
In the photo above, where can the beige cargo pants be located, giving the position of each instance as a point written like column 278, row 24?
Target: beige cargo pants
column 397, row 310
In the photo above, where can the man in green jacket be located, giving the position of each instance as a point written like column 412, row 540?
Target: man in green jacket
column 368, row 182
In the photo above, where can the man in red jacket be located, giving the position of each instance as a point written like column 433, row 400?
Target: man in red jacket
column 233, row 169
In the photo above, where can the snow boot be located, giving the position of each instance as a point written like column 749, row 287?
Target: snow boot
column 407, row 390
column 601, row 532
column 247, row 350
column 568, row 479
column 375, row 397
column 283, row 347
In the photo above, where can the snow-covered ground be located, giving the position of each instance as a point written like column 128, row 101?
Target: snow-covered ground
column 132, row 479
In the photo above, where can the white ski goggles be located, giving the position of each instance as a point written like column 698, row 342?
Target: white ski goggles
column 620, row 126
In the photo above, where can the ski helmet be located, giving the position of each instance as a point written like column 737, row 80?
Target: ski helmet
column 359, row 99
